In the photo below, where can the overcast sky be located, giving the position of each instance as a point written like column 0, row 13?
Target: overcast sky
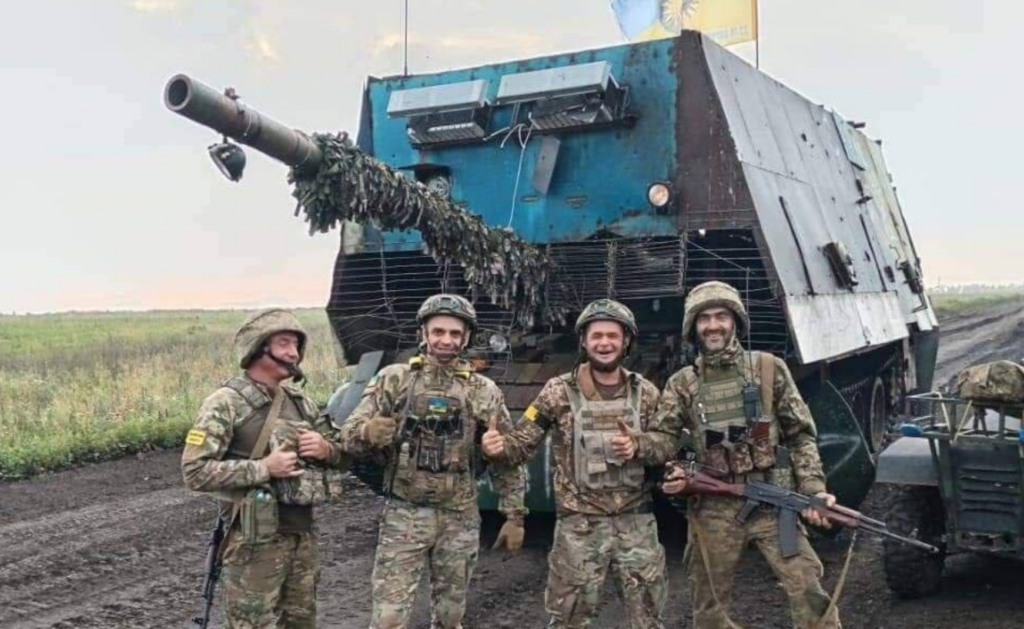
column 108, row 201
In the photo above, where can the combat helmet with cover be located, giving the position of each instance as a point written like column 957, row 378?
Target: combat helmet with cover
column 447, row 304
column 713, row 295
column 259, row 327
column 607, row 310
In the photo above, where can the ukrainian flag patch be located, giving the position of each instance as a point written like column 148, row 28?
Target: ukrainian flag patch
column 196, row 437
column 531, row 413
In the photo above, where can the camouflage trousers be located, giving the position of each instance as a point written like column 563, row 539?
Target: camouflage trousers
column 410, row 538
column 585, row 547
column 271, row 584
column 724, row 540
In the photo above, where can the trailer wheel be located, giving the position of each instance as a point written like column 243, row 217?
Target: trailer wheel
column 878, row 417
column 915, row 512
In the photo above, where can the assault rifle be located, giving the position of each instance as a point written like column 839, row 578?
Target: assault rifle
column 701, row 480
column 212, row 574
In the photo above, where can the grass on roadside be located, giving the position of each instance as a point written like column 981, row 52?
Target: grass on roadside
column 92, row 386
column 951, row 304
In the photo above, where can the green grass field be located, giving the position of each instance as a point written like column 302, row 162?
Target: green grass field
column 950, row 304
column 92, row 386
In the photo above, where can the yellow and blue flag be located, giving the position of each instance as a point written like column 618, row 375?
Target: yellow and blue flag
column 725, row 21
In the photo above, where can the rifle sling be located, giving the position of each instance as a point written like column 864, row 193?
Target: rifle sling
column 767, row 365
column 838, row 590
column 698, row 532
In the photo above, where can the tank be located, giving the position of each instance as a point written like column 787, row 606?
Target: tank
column 637, row 172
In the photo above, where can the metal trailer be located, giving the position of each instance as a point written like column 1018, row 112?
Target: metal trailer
column 956, row 481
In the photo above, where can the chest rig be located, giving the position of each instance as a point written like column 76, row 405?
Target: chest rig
column 595, row 424
column 306, row 490
column 736, row 430
column 436, row 441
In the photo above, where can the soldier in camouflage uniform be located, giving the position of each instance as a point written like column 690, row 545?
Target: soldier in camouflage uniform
column 270, row 581
column 605, row 520
column 706, row 399
column 423, row 419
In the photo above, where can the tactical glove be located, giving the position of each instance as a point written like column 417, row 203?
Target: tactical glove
column 511, row 536
column 379, row 431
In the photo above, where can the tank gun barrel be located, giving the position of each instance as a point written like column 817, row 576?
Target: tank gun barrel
column 333, row 181
column 223, row 113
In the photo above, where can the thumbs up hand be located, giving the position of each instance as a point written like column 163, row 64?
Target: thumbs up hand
column 492, row 442
column 624, row 443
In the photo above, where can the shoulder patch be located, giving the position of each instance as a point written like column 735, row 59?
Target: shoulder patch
column 531, row 412
column 195, row 437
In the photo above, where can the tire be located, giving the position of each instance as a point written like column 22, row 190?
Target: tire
column 914, row 511
column 877, row 417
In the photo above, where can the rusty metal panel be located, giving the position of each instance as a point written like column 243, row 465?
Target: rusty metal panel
column 718, row 65
column 708, row 175
column 827, row 326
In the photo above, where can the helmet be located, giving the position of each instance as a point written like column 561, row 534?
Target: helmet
column 713, row 295
column 607, row 310
column 262, row 325
column 447, row 304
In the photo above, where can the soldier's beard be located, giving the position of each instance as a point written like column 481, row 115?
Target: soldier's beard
column 726, row 341
column 605, row 367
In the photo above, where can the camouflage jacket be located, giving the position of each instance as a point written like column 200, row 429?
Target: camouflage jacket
column 387, row 393
column 216, row 457
column 797, row 431
column 552, row 411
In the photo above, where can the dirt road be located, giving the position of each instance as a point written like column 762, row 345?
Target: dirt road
column 121, row 544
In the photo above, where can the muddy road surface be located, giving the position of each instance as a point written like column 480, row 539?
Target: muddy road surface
column 121, row 544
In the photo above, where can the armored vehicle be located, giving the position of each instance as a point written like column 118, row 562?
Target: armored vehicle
column 957, row 482
column 637, row 172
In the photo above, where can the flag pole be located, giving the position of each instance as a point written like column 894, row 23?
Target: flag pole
column 405, row 47
column 757, row 34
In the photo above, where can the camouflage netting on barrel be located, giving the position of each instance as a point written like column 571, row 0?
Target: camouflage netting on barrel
column 352, row 186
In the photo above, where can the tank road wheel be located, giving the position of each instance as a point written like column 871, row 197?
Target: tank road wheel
column 917, row 512
column 877, row 417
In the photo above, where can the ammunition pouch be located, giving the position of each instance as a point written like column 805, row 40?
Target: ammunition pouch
column 595, row 424
column 258, row 516
column 736, row 426
column 434, row 448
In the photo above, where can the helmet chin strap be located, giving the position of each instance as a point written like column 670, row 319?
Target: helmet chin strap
column 293, row 369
